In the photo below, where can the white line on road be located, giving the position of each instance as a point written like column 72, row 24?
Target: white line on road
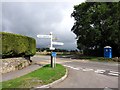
column 66, row 66
column 72, row 67
column 100, row 71
column 97, row 71
column 87, row 69
column 106, row 88
column 75, row 68
column 114, row 72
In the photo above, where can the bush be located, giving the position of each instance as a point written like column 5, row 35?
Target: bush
column 96, row 52
column 104, row 59
column 17, row 45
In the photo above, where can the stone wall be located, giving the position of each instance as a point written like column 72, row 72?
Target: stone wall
column 12, row 64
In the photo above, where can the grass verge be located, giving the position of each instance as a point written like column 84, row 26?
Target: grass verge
column 41, row 76
column 100, row 59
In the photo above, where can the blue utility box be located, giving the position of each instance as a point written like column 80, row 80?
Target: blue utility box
column 108, row 52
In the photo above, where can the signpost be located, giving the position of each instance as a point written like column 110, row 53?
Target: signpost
column 57, row 43
column 53, row 54
column 44, row 36
column 54, row 59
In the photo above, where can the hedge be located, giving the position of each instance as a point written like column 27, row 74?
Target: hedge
column 17, row 45
column 96, row 52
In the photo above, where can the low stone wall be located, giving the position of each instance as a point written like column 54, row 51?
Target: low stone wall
column 12, row 64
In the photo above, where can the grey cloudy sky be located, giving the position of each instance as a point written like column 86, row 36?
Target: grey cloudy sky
column 32, row 18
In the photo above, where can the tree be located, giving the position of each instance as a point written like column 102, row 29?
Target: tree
column 97, row 25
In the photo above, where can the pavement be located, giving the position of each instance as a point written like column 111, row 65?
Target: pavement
column 18, row 73
column 34, row 66
column 81, row 73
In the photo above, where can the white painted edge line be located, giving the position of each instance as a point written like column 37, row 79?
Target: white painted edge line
column 75, row 68
column 87, row 69
column 100, row 71
column 55, row 82
column 72, row 67
column 114, row 74
column 67, row 66
column 107, row 88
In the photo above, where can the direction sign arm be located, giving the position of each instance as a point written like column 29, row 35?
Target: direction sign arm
column 57, row 43
column 44, row 36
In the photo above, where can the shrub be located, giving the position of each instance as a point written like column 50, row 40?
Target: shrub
column 95, row 52
column 104, row 59
column 17, row 45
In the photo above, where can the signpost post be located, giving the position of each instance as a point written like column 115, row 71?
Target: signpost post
column 53, row 54
column 54, row 59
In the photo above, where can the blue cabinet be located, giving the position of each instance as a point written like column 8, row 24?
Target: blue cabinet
column 107, row 52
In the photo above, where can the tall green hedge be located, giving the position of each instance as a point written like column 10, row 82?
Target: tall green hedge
column 17, row 45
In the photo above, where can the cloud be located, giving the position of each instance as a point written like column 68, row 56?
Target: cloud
column 32, row 18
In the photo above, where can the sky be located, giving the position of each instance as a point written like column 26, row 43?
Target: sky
column 31, row 18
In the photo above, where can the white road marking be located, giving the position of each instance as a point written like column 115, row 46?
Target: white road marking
column 100, row 71
column 114, row 74
column 66, row 66
column 75, row 68
column 72, row 67
column 87, row 69
column 106, row 88
column 63, row 56
column 97, row 71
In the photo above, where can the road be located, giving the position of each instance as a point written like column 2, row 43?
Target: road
column 85, row 74
column 81, row 73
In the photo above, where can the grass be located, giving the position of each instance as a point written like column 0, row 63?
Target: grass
column 41, row 76
column 93, row 58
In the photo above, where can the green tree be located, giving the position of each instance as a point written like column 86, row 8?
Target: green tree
column 97, row 25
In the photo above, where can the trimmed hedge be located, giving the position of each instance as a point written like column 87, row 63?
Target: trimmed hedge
column 14, row 45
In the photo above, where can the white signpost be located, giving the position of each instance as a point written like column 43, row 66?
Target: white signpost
column 51, row 46
column 44, row 36
column 57, row 43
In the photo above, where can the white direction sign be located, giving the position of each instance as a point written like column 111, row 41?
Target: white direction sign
column 51, row 39
column 52, row 48
column 44, row 36
column 57, row 43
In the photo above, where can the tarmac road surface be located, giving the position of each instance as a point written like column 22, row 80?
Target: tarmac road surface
column 82, row 73
column 88, row 74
